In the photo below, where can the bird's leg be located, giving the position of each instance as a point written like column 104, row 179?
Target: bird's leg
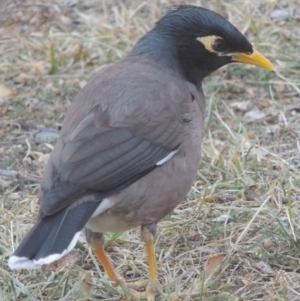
column 96, row 242
column 148, row 233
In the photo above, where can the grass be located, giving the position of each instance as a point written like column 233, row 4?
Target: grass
column 249, row 173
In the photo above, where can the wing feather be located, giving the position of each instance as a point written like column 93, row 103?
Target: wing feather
column 109, row 144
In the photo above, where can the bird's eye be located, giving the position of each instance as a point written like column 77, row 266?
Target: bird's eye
column 219, row 45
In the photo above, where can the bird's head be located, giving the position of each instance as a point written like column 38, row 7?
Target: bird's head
column 197, row 41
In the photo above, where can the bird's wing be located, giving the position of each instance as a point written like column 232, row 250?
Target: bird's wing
column 100, row 159
column 125, row 122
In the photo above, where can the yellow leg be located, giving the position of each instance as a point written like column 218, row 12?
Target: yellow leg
column 102, row 257
column 148, row 232
column 96, row 242
column 148, row 238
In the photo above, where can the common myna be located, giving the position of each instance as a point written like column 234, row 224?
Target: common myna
column 130, row 144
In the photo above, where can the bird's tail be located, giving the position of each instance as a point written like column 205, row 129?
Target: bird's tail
column 52, row 237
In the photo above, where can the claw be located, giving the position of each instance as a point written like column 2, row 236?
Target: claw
column 131, row 288
column 151, row 292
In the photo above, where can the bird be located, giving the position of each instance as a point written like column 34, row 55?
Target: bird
column 130, row 144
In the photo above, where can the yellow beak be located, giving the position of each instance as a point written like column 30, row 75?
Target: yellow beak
column 255, row 58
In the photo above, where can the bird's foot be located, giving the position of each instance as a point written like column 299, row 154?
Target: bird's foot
column 131, row 289
column 150, row 292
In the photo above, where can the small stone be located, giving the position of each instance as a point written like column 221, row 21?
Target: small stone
column 251, row 134
column 265, row 268
column 267, row 243
column 82, row 84
column 255, row 114
column 279, row 14
column 190, row 196
column 46, row 135
column 222, row 218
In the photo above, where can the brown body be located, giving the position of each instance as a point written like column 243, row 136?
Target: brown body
column 136, row 94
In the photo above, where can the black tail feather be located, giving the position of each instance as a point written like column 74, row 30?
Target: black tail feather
column 51, row 236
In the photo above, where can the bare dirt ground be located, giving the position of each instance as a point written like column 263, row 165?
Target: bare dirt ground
column 236, row 236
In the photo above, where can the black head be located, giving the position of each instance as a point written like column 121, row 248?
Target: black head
column 196, row 41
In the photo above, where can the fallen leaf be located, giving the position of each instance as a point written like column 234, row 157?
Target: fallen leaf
column 248, row 278
column 213, row 266
column 210, row 198
column 174, row 297
column 21, row 78
column 5, row 92
column 69, row 259
column 37, row 67
column 86, row 284
column 255, row 114
column 242, row 106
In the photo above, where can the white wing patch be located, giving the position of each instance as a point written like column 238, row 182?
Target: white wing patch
column 104, row 205
column 167, row 158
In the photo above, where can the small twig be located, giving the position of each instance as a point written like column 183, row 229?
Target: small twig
column 17, row 175
column 232, row 198
column 295, row 292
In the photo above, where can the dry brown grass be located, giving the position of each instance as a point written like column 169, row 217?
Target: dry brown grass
column 249, row 173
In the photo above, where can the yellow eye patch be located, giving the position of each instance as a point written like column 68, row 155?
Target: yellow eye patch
column 208, row 42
